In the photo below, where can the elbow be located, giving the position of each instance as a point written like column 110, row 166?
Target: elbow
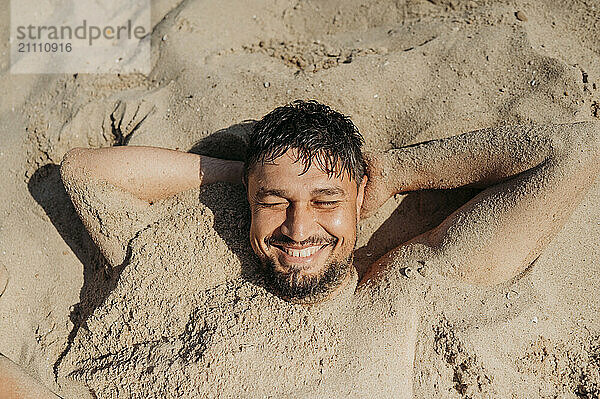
column 72, row 163
column 74, row 154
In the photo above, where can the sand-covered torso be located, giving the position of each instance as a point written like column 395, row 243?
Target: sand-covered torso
column 208, row 329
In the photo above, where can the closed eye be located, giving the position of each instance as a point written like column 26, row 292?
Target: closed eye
column 271, row 204
column 326, row 203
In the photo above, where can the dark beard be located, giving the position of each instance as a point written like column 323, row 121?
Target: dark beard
column 296, row 287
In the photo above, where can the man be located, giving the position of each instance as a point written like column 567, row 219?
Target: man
column 308, row 185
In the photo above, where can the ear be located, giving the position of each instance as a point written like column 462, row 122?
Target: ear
column 360, row 196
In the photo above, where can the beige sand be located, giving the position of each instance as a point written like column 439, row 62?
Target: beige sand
column 405, row 71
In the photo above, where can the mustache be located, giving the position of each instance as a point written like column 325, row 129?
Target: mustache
column 283, row 240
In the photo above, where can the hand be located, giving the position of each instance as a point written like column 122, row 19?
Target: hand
column 377, row 190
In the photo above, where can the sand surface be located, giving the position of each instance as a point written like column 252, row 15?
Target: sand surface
column 405, row 71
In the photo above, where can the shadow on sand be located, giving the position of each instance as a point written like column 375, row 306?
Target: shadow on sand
column 46, row 187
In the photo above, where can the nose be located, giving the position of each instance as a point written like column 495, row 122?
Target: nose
column 299, row 222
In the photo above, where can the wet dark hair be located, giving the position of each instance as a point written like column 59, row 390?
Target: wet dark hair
column 316, row 131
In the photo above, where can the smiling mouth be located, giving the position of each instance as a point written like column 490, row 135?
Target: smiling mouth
column 300, row 253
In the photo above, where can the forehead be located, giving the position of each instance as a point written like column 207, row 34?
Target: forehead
column 286, row 173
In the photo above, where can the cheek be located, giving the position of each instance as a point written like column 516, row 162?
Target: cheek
column 341, row 223
column 263, row 225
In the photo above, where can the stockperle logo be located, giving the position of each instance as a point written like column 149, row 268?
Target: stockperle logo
column 80, row 36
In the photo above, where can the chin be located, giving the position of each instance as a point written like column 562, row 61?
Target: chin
column 298, row 286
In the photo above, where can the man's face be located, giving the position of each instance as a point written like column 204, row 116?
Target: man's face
column 303, row 227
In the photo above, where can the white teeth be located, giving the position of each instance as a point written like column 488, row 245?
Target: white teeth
column 301, row 253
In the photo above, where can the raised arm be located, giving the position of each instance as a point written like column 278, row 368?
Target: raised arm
column 533, row 179
column 113, row 189
column 149, row 173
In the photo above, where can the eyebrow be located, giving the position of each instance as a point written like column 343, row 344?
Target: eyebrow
column 326, row 191
column 267, row 192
